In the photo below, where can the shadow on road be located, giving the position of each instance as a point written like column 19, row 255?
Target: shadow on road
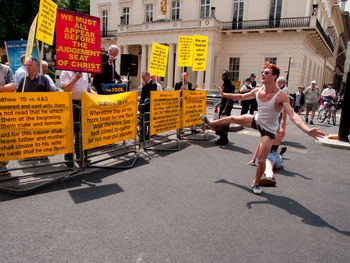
column 290, row 206
column 284, row 172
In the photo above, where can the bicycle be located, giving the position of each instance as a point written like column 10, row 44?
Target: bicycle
column 323, row 114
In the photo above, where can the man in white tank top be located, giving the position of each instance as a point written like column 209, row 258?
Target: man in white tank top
column 271, row 101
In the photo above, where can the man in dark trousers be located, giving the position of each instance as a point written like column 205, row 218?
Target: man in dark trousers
column 109, row 73
column 146, row 94
column 225, row 108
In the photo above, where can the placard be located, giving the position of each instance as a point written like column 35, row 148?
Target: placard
column 78, row 42
column 200, row 48
column 46, row 21
column 108, row 119
column 159, row 60
column 193, row 105
column 185, row 51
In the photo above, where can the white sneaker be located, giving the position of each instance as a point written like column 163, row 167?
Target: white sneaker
column 256, row 189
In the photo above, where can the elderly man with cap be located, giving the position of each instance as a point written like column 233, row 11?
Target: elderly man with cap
column 328, row 96
column 312, row 96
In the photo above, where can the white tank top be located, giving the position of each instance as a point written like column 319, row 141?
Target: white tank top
column 267, row 116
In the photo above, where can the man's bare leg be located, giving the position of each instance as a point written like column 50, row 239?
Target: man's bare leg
column 243, row 120
column 269, row 169
column 265, row 147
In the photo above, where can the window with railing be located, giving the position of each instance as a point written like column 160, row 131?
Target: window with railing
column 104, row 18
column 149, row 13
column 238, row 6
column 275, row 12
column 126, row 15
column 175, row 10
column 234, row 68
column 205, row 8
column 272, row 60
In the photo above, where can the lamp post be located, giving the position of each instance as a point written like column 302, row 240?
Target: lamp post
column 289, row 61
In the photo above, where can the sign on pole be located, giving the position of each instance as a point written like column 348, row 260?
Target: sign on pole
column 46, row 21
column 185, row 51
column 200, row 47
column 159, row 60
column 78, row 42
column 31, row 34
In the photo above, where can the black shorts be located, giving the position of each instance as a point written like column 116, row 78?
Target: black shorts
column 262, row 131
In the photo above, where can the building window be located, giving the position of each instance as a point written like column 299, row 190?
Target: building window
column 104, row 24
column 149, row 13
column 234, row 68
column 272, row 60
column 238, row 6
column 126, row 15
column 275, row 13
column 205, row 8
column 175, row 10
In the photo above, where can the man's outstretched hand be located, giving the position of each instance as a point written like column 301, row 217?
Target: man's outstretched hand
column 316, row 133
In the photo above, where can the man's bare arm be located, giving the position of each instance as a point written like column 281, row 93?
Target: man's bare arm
column 236, row 96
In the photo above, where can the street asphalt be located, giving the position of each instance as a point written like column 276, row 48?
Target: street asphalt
column 192, row 205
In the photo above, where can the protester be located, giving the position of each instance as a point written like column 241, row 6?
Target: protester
column 184, row 84
column 299, row 99
column 328, row 97
column 225, row 108
column 146, row 94
column 34, row 82
column 76, row 83
column 6, row 85
column 109, row 73
column 21, row 71
column 45, row 67
column 312, row 96
column 155, row 80
column 271, row 101
column 253, row 103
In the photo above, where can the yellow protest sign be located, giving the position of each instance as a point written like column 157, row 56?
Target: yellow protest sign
column 200, row 48
column 159, row 60
column 108, row 119
column 35, row 124
column 46, row 21
column 165, row 111
column 184, row 51
column 31, row 35
column 193, row 105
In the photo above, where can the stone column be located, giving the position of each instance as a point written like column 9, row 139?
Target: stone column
column 143, row 60
column 178, row 70
column 200, row 78
column 209, row 69
column 126, row 50
column 170, row 82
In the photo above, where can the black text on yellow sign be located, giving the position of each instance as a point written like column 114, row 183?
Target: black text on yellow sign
column 193, row 105
column 108, row 119
column 35, row 124
column 165, row 111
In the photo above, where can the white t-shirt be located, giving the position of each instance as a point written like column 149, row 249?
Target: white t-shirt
column 80, row 86
column 329, row 91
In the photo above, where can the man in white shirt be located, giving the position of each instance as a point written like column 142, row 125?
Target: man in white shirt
column 155, row 80
column 76, row 83
column 21, row 71
column 328, row 95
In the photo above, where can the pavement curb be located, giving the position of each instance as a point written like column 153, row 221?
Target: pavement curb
column 334, row 143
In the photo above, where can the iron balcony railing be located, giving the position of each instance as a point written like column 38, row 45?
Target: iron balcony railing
column 325, row 36
column 108, row 33
column 268, row 23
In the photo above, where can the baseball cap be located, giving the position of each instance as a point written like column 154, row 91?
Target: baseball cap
column 248, row 79
column 313, row 82
column 253, row 74
column 331, row 83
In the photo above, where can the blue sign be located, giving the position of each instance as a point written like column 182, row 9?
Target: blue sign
column 15, row 49
column 113, row 88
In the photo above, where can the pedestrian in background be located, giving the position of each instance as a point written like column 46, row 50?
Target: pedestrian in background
column 312, row 96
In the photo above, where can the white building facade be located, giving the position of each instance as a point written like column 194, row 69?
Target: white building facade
column 300, row 36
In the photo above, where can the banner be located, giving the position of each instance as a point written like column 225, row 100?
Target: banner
column 159, row 60
column 200, row 48
column 46, row 21
column 15, row 49
column 184, row 51
column 193, row 105
column 35, row 124
column 165, row 111
column 78, row 42
column 31, row 35
column 108, row 119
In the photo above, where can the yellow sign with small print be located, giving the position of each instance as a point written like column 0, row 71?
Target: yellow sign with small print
column 165, row 111
column 193, row 105
column 184, row 51
column 200, row 48
column 159, row 60
column 46, row 21
column 35, row 124
column 108, row 119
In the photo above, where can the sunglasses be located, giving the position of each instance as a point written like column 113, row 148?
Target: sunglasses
column 266, row 72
